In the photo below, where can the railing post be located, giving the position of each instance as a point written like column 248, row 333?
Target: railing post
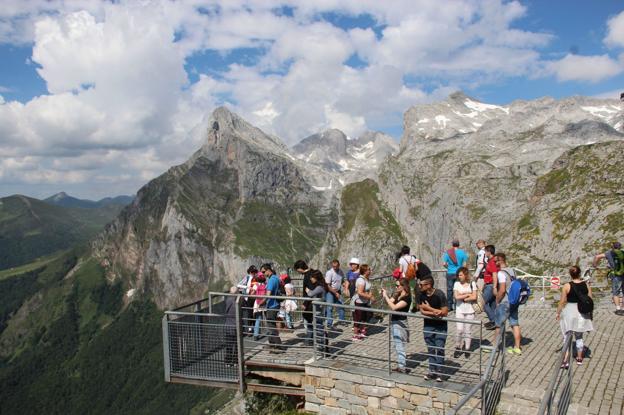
column 314, row 328
column 167, row 358
column 389, row 344
column 240, row 345
column 210, row 302
column 480, row 350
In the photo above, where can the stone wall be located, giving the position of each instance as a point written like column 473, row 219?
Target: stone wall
column 331, row 390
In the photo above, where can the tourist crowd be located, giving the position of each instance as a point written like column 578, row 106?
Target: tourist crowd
column 493, row 288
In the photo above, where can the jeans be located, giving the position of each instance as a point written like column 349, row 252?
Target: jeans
column 490, row 302
column 320, row 329
column 288, row 319
column 399, row 332
column 331, row 298
column 450, row 281
column 435, row 338
column 259, row 317
column 271, row 323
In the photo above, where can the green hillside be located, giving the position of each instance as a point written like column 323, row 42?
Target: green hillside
column 30, row 228
column 73, row 348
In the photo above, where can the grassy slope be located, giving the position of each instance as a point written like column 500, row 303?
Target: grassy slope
column 82, row 352
column 30, row 228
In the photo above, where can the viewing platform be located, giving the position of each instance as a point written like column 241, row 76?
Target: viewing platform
column 203, row 346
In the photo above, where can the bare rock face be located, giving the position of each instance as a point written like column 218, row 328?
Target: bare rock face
column 540, row 179
column 239, row 199
column 451, row 182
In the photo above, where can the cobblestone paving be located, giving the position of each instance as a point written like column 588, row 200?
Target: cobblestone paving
column 598, row 382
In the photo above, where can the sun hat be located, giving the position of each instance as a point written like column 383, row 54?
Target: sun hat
column 354, row 260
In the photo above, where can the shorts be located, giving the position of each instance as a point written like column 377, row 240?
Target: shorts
column 505, row 311
column 616, row 285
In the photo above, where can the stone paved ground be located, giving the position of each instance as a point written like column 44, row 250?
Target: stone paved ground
column 598, row 383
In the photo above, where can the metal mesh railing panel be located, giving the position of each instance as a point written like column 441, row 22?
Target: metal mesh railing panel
column 203, row 347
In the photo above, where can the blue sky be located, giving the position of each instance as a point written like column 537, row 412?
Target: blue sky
column 96, row 98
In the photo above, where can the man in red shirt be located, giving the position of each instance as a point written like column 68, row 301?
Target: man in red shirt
column 489, row 281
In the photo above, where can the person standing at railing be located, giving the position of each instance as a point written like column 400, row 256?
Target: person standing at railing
column 489, row 285
column 453, row 259
column 258, row 287
column 334, row 278
column 244, row 287
column 504, row 310
column 302, row 268
column 231, row 344
column 319, row 291
column 465, row 292
column 568, row 315
column 615, row 260
column 480, row 264
column 273, row 307
column 401, row 301
column 352, row 275
column 363, row 299
column 433, row 305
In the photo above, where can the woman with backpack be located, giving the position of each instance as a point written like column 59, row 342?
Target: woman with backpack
column 400, row 301
column 572, row 314
column 465, row 293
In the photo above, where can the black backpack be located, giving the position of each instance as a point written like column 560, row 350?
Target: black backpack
column 585, row 303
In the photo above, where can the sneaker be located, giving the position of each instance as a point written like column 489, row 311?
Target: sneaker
column 565, row 365
column 429, row 376
column 356, row 338
column 579, row 361
column 619, row 312
column 457, row 352
column 439, row 379
column 400, row 370
column 467, row 353
column 489, row 326
column 514, row 350
column 486, row 349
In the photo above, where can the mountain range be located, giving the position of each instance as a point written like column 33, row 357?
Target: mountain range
column 540, row 179
column 63, row 199
column 463, row 169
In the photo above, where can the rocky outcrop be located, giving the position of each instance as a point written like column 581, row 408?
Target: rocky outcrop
column 538, row 178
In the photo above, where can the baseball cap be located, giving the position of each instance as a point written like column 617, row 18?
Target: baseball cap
column 617, row 245
column 354, row 260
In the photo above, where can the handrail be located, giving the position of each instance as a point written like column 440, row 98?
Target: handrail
column 320, row 302
column 498, row 349
column 546, row 404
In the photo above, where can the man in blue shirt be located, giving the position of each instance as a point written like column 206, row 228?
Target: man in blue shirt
column 453, row 259
column 273, row 307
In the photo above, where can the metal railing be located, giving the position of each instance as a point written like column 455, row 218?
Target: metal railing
column 558, row 393
column 212, row 347
column 490, row 386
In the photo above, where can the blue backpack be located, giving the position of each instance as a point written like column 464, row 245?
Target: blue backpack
column 519, row 290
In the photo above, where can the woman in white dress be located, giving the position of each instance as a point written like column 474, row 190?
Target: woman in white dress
column 570, row 319
column 465, row 293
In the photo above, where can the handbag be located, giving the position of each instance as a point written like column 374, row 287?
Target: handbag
column 479, row 304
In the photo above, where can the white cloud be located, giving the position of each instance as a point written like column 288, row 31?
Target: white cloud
column 615, row 31
column 120, row 104
column 585, row 68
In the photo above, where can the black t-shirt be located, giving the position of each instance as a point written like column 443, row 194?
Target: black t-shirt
column 436, row 300
column 408, row 301
column 580, row 287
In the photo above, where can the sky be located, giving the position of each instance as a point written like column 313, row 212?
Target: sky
column 99, row 97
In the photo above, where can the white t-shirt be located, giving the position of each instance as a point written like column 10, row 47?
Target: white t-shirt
column 480, row 262
column 462, row 306
column 404, row 261
column 361, row 282
column 505, row 275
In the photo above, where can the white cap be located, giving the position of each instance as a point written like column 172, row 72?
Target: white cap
column 354, row 261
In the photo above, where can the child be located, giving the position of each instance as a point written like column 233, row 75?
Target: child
column 288, row 306
column 259, row 305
